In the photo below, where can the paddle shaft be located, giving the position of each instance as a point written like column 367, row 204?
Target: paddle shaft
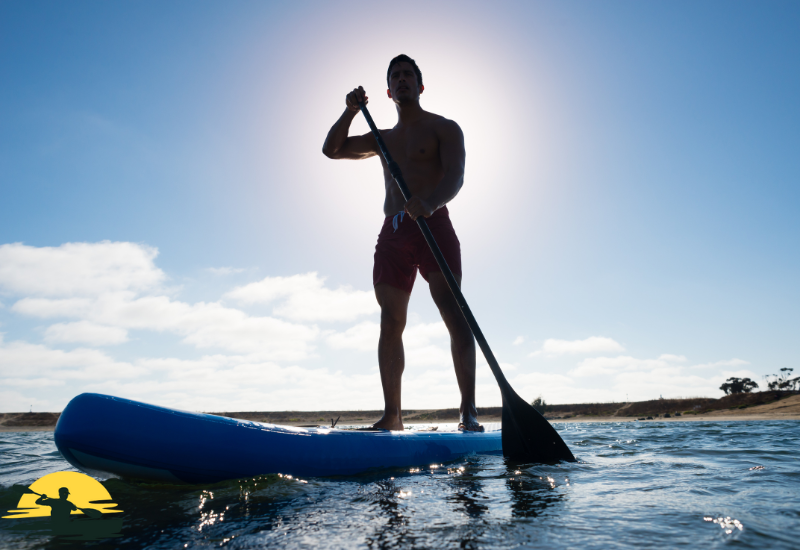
column 394, row 169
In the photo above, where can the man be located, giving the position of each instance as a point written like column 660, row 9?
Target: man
column 60, row 508
column 430, row 152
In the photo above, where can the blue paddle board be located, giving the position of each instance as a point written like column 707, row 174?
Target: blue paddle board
column 110, row 435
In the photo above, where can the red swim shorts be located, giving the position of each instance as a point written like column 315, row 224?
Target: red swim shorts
column 402, row 249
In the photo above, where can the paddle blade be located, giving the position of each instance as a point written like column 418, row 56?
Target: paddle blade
column 91, row 512
column 528, row 436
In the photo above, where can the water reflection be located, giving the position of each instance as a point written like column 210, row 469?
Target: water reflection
column 532, row 491
column 201, row 513
column 469, row 498
column 393, row 532
column 413, row 510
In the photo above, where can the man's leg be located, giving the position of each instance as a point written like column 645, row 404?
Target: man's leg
column 462, row 345
column 391, row 358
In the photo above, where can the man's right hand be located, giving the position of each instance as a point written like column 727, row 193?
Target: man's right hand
column 354, row 97
column 338, row 144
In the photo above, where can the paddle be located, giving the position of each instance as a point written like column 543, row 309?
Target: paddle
column 91, row 512
column 527, row 435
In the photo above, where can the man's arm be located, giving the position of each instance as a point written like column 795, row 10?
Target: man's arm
column 338, row 145
column 453, row 157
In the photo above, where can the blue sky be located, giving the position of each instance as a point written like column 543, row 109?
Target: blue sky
column 628, row 222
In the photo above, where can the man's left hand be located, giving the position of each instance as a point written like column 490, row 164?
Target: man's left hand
column 417, row 207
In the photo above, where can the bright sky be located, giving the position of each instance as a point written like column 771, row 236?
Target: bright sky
column 171, row 232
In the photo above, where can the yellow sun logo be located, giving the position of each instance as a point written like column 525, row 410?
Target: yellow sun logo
column 63, row 494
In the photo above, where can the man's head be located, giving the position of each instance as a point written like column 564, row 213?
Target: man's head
column 404, row 79
column 63, row 492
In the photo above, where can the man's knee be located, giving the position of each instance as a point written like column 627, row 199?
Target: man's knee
column 394, row 308
column 393, row 321
column 441, row 293
column 454, row 319
column 461, row 337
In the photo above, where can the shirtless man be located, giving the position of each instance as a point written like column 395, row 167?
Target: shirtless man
column 430, row 152
column 60, row 508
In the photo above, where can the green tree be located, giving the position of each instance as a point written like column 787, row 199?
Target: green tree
column 782, row 381
column 540, row 405
column 738, row 385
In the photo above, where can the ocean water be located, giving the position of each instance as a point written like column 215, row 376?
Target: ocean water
column 636, row 485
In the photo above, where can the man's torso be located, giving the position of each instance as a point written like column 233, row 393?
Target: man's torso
column 60, row 508
column 415, row 148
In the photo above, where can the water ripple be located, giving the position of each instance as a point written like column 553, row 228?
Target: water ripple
column 656, row 484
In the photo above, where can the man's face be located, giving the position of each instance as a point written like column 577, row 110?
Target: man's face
column 403, row 83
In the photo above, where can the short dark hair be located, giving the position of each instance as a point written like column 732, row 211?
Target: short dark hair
column 399, row 59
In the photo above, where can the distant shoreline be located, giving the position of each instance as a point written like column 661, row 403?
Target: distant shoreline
column 784, row 407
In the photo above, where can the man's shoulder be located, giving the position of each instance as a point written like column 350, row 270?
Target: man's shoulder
column 441, row 122
column 446, row 129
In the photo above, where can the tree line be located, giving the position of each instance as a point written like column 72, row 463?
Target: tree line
column 733, row 385
column 775, row 382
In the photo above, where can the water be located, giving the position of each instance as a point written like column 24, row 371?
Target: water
column 643, row 484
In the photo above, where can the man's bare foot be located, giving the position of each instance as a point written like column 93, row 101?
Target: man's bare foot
column 389, row 423
column 469, row 419
column 471, row 427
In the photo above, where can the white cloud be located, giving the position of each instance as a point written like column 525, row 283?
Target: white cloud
column 31, row 382
column 428, row 356
column 304, row 298
column 47, row 308
column 110, row 288
column 211, row 383
column 652, row 378
column 418, row 340
column 425, row 344
column 234, row 331
column 518, row 340
column 202, row 324
column 670, row 357
column 362, row 337
column 554, row 388
column 597, row 366
column 33, row 360
column 78, row 268
column 422, row 334
column 223, row 382
column 109, row 291
column 15, row 401
column 85, row 332
column 676, row 381
column 593, row 344
column 727, row 363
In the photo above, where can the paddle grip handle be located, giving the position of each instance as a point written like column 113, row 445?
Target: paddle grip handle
column 394, row 170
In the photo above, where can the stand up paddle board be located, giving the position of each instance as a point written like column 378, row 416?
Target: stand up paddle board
column 110, row 435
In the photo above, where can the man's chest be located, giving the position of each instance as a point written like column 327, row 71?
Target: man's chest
column 413, row 145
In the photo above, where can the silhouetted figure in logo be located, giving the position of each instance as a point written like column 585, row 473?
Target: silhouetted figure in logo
column 60, row 508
